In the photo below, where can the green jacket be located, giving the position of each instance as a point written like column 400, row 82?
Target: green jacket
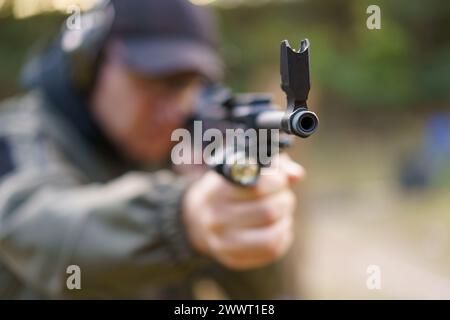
column 62, row 203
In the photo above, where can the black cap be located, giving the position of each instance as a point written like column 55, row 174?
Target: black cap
column 161, row 37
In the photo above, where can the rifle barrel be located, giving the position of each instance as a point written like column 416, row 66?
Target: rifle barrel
column 301, row 122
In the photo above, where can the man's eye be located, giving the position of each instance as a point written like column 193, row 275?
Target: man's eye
column 179, row 84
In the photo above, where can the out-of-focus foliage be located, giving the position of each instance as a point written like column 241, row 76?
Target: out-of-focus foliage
column 18, row 40
column 406, row 64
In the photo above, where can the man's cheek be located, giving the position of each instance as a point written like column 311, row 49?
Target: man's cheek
column 126, row 114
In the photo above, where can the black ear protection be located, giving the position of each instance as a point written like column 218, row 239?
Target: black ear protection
column 84, row 46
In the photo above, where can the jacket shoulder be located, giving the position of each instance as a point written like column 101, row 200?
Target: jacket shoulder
column 24, row 143
column 20, row 114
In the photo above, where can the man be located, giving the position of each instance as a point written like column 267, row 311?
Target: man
column 85, row 179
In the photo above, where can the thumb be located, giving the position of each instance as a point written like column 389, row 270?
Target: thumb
column 293, row 170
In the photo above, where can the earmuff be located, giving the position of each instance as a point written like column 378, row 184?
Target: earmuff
column 83, row 46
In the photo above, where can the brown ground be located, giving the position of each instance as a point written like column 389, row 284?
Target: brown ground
column 356, row 215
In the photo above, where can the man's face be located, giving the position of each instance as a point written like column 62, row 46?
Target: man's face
column 139, row 113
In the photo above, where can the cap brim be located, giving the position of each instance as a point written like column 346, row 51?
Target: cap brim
column 169, row 56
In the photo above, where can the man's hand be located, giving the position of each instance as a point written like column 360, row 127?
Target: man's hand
column 243, row 228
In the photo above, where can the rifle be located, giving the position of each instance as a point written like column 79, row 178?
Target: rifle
column 256, row 111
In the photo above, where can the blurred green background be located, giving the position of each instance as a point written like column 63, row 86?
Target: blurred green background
column 406, row 63
column 374, row 194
